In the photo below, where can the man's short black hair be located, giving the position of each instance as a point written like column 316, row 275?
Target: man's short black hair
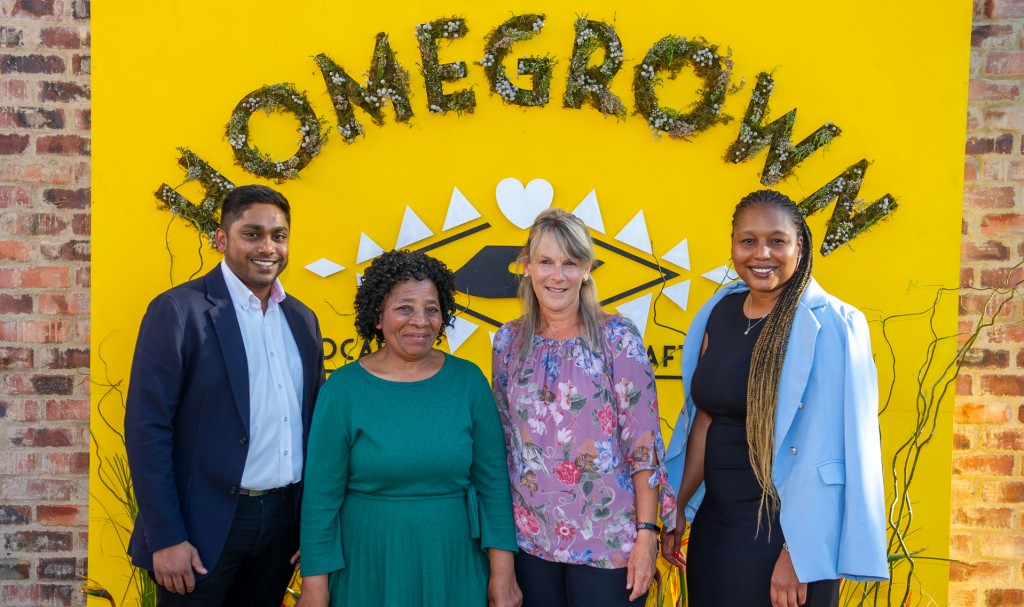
column 243, row 197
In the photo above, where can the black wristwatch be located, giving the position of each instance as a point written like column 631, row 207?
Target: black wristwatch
column 651, row 526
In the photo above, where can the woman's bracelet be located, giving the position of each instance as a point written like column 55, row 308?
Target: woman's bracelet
column 649, row 526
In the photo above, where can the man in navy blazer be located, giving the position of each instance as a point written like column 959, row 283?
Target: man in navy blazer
column 225, row 374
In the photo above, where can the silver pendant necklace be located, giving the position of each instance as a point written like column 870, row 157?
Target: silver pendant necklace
column 751, row 325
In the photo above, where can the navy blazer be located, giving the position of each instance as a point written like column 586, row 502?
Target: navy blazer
column 187, row 414
column 828, row 461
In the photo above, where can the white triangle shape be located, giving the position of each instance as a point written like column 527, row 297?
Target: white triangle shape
column 413, row 229
column 635, row 234
column 721, row 275
column 491, row 335
column 637, row 310
column 590, row 212
column 460, row 211
column 679, row 294
column 679, row 255
column 367, row 248
column 458, row 333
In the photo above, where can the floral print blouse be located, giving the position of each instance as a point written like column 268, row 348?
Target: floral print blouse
column 578, row 424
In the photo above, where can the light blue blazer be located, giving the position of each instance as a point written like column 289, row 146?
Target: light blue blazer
column 828, row 462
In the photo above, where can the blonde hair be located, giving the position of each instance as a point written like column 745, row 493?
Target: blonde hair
column 770, row 351
column 573, row 238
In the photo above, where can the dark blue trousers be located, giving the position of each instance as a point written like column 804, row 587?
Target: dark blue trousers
column 253, row 570
column 548, row 584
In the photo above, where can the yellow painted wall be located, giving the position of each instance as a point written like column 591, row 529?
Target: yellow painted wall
column 893, row 76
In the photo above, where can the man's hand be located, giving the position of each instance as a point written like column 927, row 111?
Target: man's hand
column 172, row 567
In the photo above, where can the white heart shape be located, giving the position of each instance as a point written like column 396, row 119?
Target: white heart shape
column 522, row 205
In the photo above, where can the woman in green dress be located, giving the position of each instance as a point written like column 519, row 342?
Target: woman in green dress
column 406, row 499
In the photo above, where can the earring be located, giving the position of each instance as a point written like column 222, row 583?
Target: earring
column 586, row 277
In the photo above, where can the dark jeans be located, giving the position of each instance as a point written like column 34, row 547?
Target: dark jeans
column 548, row 584
column 253, row 570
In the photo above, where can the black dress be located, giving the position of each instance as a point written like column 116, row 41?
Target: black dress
column 730, row 562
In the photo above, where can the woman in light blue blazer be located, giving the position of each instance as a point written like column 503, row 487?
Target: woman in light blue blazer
column 776, row 452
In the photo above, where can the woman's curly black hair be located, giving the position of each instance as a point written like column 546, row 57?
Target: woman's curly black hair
column 394, row 267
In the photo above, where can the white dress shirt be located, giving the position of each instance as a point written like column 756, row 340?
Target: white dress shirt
column 275, row 387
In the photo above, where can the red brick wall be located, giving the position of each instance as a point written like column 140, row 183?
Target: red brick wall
column 44, row 300
column 988, row 459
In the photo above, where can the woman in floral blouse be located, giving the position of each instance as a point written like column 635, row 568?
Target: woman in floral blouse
column 578, row 405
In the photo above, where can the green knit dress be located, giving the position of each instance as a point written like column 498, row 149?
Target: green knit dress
column 406, row 485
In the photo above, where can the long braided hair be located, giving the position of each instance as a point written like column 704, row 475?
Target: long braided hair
column 770, row 350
